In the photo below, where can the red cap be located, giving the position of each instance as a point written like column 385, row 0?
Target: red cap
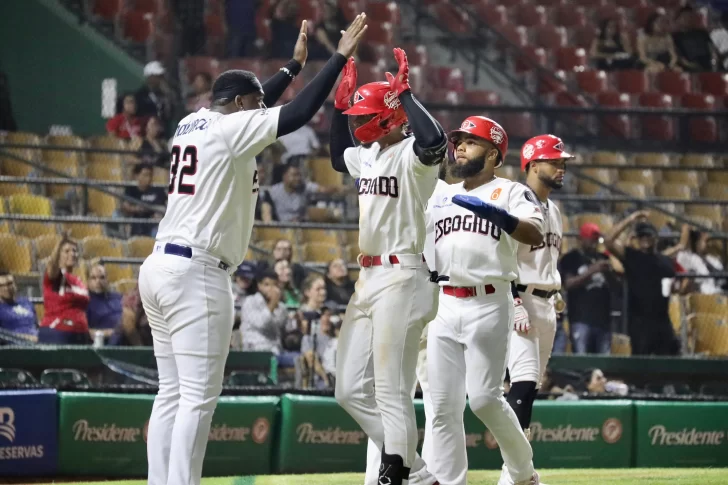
column 589, row 230
column 377, row 98
column 543, row 147
column 486, row 129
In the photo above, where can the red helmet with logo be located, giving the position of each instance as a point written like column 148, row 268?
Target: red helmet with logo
column 378, row 99
column 543, row 147
column 485, row 128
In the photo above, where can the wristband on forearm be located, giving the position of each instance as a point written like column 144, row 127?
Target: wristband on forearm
column 510, row 223
column 292, row 68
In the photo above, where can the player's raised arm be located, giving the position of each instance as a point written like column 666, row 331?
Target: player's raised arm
column 430, row 140
column 307, row 103
column 274, row 87
column 340, row 137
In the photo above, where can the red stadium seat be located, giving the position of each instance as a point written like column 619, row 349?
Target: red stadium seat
column 377, row 53
column 416, row 54
column 454, row 20
column 590, row 3
column 482, row 98
column 715, row 83
column 380, row 33
column 108, row 9
column 632, row 81
column 567, row 99
column 137, row 26
column 196, row 64
column 570, row 16
column 630, row 3
column 583, row 36
column 518, row 125
column 610, row 11
column 495, row 17
column 530, row 15
column 592, row 81
column 552, row 3
column 442, row 96
column 262, row 27
column 246, row 63
column 532, row 54
column 642, row 14
column 657, row 127
column 568, row 58
column 449, row 78
column 550, row 36
column 616, row 125
column 215, row 30
column 309, row 10
column 350, row 9
column 369, row 73
column 548, row 85
column 517, row 34
column 150, row 6
column 668, row 4
column 673, row 83
column 383, row 12
column 702, row 128
column 447, row 119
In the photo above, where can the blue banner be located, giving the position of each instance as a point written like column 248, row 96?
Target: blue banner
column 28, row 432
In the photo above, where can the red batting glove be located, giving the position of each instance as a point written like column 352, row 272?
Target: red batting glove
column 346, row 87
column 400, row 83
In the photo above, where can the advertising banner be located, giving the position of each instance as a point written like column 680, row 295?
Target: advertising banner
column 28, row 432
column 106, row 434
column 681, row 434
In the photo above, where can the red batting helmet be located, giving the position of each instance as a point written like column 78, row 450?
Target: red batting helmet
column 486, row 129
column 378, row 99
column 543, row 147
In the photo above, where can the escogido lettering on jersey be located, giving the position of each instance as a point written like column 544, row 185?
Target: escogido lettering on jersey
column 466, row 223
column 383, row 185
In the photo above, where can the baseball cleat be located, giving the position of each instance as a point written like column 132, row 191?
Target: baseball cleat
column 534, row 480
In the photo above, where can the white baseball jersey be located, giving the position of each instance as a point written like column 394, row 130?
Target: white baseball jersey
column 538, row 265
column 394, row 187
column 214, row 180
column 468, row 249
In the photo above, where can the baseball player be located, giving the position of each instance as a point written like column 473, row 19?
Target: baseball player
column 394, row 297
column 185, row 283
column 475, row 259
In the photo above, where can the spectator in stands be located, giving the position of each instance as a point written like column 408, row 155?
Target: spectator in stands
column 655, row 46
column 611, row 49
column 134, row 329
column 283, row 249
column 314, row 295
column 263, row 316
column 318, row 349
column 586, row 276
column 201, row 96
column 144, row 192
column 299, row 145
column 126, row 125
column 190, row 33
column 104, row 306
column 291, row 295
column 156, row 97
column 694, row 258
column 328, row 31
column 649, row 277
column 693, row 45
column 241, row 29
column 244, row 283
column 339, row 287
column 17, row 314
column 719, row 36
column 65, row 298
column 291, row 196
column 153, row 147
column 265, row 210
column 284, row 28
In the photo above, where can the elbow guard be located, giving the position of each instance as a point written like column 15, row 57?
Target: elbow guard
column 433, row 155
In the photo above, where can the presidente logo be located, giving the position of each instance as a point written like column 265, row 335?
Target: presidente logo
column 8, row 431
column 610, row 431
column 661, row 436
column 7, row 424
column 307, row 433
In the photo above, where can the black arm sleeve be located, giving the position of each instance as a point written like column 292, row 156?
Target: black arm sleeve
column 430, row 139
column 274, row 87
column 305, row 105
column 514, row 291
column 340, row 139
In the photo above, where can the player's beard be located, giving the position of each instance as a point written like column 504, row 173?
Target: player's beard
column 551, row 183
column 469, row 169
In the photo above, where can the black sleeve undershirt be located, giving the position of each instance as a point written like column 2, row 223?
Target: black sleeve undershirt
column 429, row 136
column 307, row 103
column 274, row 87
column 340, row 138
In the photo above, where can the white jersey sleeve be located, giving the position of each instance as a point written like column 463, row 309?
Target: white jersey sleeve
column 411, row 160
column 429, row 251
column 524, row 205
column 247, row 133
column 352, row 159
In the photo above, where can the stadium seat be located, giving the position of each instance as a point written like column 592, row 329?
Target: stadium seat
column 44, row 245
column 102, row 204
column 515, row 34
column 634, row 189
column 495, row 16
column 416, row 54
column 275, row 233
column 193, row 65
column 352, row 253
column 319, row 236
column 711, row 211
column 8, row 189
column 106, row 142
column 569, row 58
column 673, row 191
column 322, row 173
column 657, row 127
column 702, row 128
column 15, row 168
column 550, row 83
column 645, row 177
column 518, row 125
column 451, row 78
column 530, row 15
column 101, row 246
column 320, row 252
column 675, row 312
column 591, row 81
column 4, row 226
column 381, row 32
column 482, row 98
column 570, row 16
column 715, row 83
column 16, row 254
column 615, row 125
column 34, row 229
column 673, row 83
column 351, row 237
column 532, row 56
column 118, row 272
column 67, row 166
column 109, row 171
column 140, row 246
column 80, row 230
column 107, row 9
column 383, row 12
column 713, row 190
column 713, row 304
column 712, row 333
column 137, row 26
column 642, row 13
column 550, row 36
column 698, row 160
column 604, row 221
column 70, row 141
column 124, row 286
column 631, row 81
column 648, row 159
column 689, row 178
column 31, row 205
column 583, row 36
column 601, row 174
column 160, row 176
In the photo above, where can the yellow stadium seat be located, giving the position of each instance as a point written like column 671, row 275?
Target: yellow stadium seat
column 673, row 191
column 604, row 221
column 675, row 312
column 140, row 246
column 689, row 178
column 82, row 270
column 646, row 177
column 651, row 159
column 565, row 223
column 30, row 205
column 107, row 143
column 35, row 229
column 65, row 141
column 276, row 233
column 4, row 226
column 714, row 190
column 101, row 204
column 601, row 174
column 354, row 275
column 16, row 255
column 715, row 304
column 703, row 210
column 39, row 311
column 106, row 171
column 634, row 189
column 70, row 168
column 44, row 245
column 608, row 158
column 124, row 286
column 22, row 138
column 101, row 246
column 15, row 168
column 712, row 333
column 80, row 230
column 697, row 160
column 7, row 190
column 352, row 253
column 320, row 252
column 351, row 237
column 621, row 344
column 323, row 173
column 718, row 176
column 319, row 236
column 160, row 176
column 320, row 214
column 118, row 272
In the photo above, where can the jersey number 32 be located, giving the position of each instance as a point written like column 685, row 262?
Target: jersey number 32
column 189, row 159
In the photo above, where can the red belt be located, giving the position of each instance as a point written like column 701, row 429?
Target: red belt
column 369, row 261
column 466, row 291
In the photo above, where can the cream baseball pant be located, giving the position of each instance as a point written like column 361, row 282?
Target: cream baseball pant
column 374, row 454
column 378, row 347
column 189, row 304
column 530, row 353
column 467, row 351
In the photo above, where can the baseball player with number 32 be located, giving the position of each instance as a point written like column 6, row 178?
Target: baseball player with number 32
column 475, row 260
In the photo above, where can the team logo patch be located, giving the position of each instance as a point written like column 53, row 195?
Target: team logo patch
column 529, row 197
column 612, row 430
column 559, row 146
column 497, row 135
column 496, row 193
column 261, row 427
column 540, row 144
column 467, row 125
column 358, row 97
column 391, row 100
column 528, row 151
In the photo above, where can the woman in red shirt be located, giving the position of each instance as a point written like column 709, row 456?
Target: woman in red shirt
column 126, row 125
column 65, row 298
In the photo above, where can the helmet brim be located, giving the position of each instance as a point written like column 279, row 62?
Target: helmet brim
column 361, row 110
